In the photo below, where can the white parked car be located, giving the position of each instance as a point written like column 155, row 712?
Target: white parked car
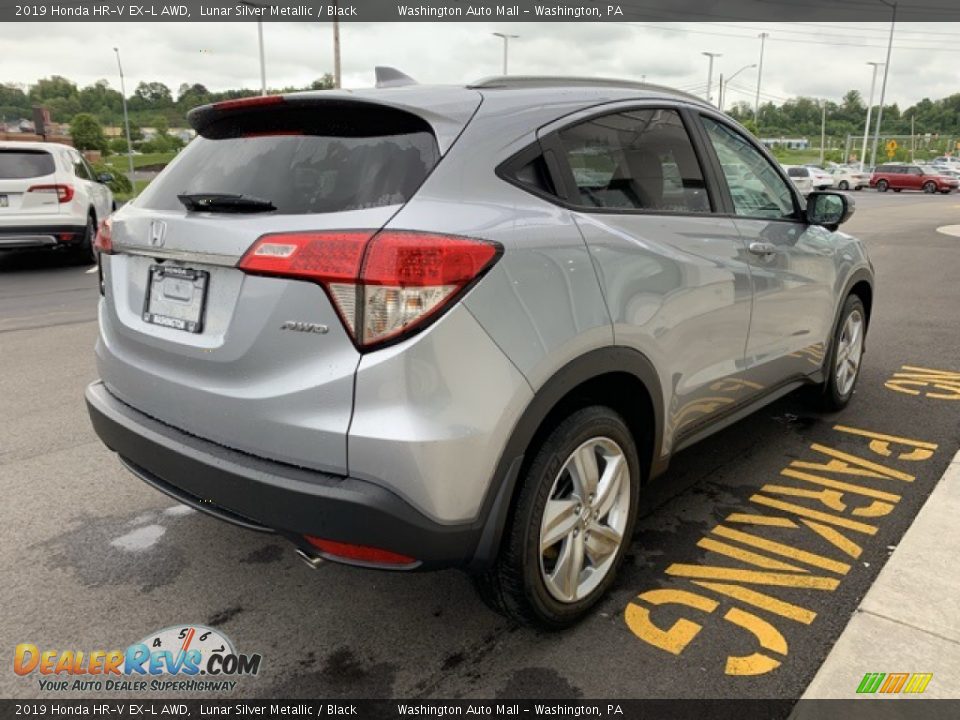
column 802, row 177
column 50, row 198
column 848, row 178
column 820, row 178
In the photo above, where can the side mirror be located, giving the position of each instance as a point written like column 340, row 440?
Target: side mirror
column 829, row 209
column 105, row 178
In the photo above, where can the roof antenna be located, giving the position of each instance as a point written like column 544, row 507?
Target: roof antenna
column 391, row 77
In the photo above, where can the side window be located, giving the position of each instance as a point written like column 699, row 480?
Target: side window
column 534, row 175
column 80, row 167
column 758, row 191
column 637, row 160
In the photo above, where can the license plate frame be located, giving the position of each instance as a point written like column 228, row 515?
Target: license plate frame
column 177, row 313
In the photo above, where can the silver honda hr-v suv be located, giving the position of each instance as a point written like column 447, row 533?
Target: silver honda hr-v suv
column 420, row 327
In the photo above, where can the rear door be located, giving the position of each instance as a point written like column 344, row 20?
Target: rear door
column 27, row 179
column 791, row 263
column 260, row 364
column 674, row 273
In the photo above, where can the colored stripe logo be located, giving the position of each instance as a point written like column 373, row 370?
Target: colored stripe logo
column 891, row 683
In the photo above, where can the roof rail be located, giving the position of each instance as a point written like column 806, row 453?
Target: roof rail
column 553, row 81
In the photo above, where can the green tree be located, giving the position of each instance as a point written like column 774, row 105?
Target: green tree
column 87, row 133
column 323, row 83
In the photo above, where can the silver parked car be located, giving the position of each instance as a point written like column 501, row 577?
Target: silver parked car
column 419, row 327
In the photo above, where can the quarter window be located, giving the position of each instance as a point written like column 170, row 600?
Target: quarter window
column 757, row 188
column 638, row 160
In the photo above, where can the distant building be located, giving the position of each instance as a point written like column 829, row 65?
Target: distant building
column 785, row 142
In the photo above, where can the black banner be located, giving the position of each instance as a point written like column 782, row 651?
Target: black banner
column 853, row 11
column 854, row 709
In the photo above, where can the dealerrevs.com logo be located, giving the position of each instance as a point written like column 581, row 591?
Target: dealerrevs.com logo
column 182, row 658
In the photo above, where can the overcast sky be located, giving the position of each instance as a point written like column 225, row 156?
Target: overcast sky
column 819, row 60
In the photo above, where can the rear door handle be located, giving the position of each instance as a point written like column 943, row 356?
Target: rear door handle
column 762, row 248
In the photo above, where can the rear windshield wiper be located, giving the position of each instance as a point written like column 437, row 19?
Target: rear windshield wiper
column 224, row 202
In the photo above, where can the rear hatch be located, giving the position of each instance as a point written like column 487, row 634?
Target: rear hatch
column 28, row 178
column 261, row 364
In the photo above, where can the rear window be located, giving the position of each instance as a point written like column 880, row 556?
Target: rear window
column 300, row 174
column 16, row 164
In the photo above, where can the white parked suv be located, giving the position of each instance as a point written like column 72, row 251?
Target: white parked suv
column 50, row 198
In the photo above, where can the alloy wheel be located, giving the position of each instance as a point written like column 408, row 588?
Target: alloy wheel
column 584, row 519
column 849, row 352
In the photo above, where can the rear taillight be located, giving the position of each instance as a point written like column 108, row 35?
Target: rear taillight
column 63, row 192
column 359, row 553
column 385, row 285
column 103, row 242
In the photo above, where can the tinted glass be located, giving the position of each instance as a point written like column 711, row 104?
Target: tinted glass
column 80, row 167
column 16, row 164
column 797, row 172
column 758, row 191
column 639, row 160
column 300, row 174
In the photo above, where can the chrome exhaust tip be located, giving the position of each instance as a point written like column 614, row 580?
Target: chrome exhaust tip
column 312, row 560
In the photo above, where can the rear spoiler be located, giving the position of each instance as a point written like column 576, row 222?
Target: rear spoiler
column 401, row 107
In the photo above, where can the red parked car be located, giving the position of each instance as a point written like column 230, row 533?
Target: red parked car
column 911, row 177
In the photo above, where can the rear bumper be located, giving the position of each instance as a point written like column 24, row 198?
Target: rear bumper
column 274, row 497
column 40, row 236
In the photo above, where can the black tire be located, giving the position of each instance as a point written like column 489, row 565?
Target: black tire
column 85, row 253
column 844, row 185
column 833, row 398
column 929, row 188
column 514, row 586
column 882, row 185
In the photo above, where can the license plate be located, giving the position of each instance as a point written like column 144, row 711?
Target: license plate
column 4, row 201
column 176, row 297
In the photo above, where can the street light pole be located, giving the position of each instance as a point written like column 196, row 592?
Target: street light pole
column 711, row 56
column 866, row 129
column 336, row 54
column 126, row 123
column 823, row 131
column 506, row 45
column 756, row 102
column 263, row 67
column 883, row 87
column 724, row 85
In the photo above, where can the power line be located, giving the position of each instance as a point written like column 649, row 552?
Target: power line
column 786, row 40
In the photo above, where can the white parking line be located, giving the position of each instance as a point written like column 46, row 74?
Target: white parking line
column 91, row 271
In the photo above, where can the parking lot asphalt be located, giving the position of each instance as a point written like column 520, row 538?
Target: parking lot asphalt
column 712, row 602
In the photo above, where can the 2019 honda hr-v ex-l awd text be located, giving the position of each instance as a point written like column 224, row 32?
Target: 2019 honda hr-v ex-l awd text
column 418, row 327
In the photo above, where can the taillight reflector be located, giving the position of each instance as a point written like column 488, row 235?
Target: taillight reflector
column 385, row 285
column 64, row 192
column 104, row 242
column 359, row 553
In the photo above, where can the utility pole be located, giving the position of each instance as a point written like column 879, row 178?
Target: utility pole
column 711, row 56
column 866, row 129
column 756, row 102
column 720, row 92
column 883, row 88
column 506, row 46
column 126, row 122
